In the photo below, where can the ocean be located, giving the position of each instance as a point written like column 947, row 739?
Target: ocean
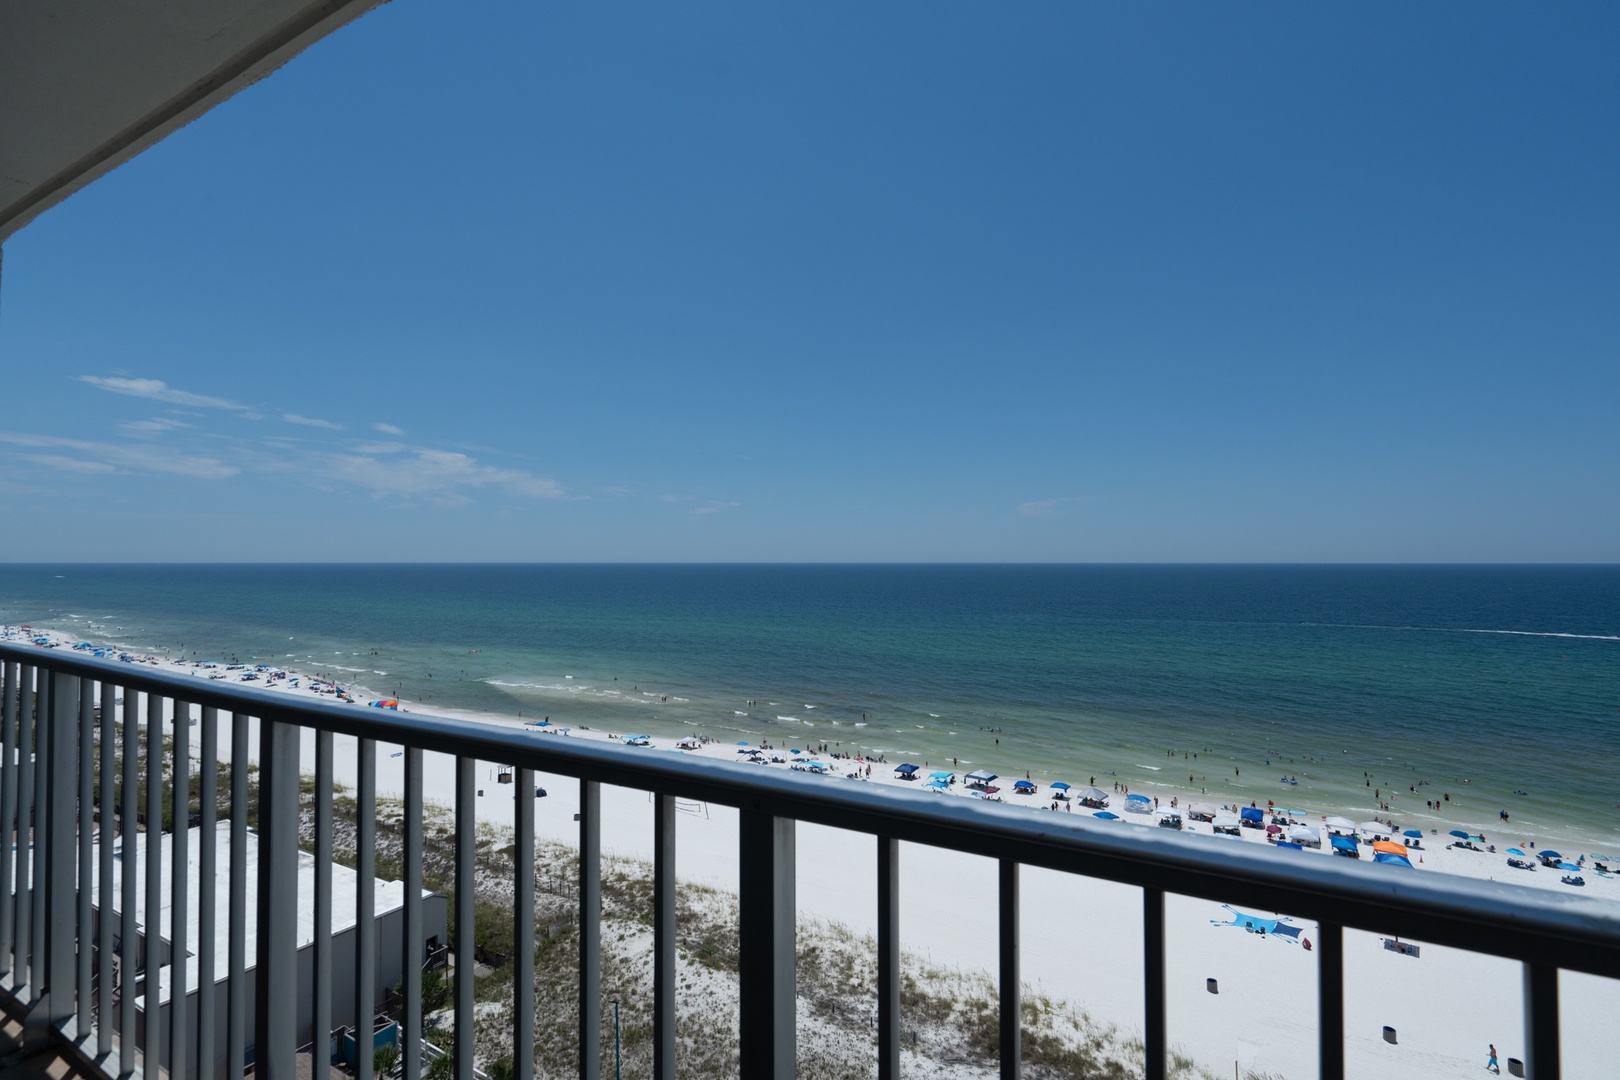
column 1482, row 682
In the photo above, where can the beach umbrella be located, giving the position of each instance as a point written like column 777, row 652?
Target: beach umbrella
column 743, row 743
column 1568, row 866
column 1460, row 833
column 1515, row 851
column 1270, row 829
column 1548, row 853
column 1106, row 816
column 1413, row 832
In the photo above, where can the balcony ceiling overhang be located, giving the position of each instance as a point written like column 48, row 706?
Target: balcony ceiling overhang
column 87, row 85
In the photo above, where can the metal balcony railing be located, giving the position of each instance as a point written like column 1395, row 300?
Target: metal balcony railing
column 55, row 827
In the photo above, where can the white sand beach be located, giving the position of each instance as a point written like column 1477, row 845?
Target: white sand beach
column 1082, row 940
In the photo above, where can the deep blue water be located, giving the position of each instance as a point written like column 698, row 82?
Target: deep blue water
column 1482, row 680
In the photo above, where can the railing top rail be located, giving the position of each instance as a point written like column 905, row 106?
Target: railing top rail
column 1567, row 930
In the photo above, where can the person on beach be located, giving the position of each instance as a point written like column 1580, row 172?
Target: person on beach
column 1491, row 1063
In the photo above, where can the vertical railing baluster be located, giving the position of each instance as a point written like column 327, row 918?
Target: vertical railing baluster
column 321, row 993
column 411, row 947
column 523, row 928
column 1543, row 1060
column 129, row 938
column 106, row 838
column 208, row 869
column 888, row 957
column 236, row 960
column 365, row 908
column 1156, row 1038
column 663, row 936
column 1011, row 987
column 179, row 895
column 765, row 939
column 61, row 820
column 39, row 981
column 466, row 883
column 276, row 990
column 590, row 931
column 87, row 854
column 151, row 923
column 22, row 974
column 9, row 833
column 1330, row 1001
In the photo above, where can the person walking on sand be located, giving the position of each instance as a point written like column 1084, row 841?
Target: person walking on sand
column 1491, row 1064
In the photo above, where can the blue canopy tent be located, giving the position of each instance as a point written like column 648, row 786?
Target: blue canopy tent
column 905, row 770
column 1391, row 857
column 1060, row 786
column 981, row 778
column 1254, row 814
column 937, row 784
column 1346, row 844
column 1023, row 785
column 948, row 777
column 1290, row 845
column 1254, row 924
column 1105, row 815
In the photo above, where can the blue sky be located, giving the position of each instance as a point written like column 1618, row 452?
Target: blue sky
column 1043, row 282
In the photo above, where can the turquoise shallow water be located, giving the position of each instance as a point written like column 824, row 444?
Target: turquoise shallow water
column 1482, row 680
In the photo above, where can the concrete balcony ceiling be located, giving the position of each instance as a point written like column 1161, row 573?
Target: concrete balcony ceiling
column 87, row 85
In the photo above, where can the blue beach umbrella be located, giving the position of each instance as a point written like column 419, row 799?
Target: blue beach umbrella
column 1514, row 851
column 1548, row 853
column 1105, row 815
column 743, row 743
column 1413, row 832
column 1460, row 833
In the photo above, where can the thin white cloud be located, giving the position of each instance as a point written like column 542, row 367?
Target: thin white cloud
column 388, row 429
column 310, row 421
column 439, row 475
column 715, row 506
column 151, row 459
column 158, row 390
column 68, row 464
column 155, row 426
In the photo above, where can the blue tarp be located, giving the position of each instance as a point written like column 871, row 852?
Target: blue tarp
column 1343, row 843
column 1391, row 857
column 1250, row 813
column 1106, row 816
